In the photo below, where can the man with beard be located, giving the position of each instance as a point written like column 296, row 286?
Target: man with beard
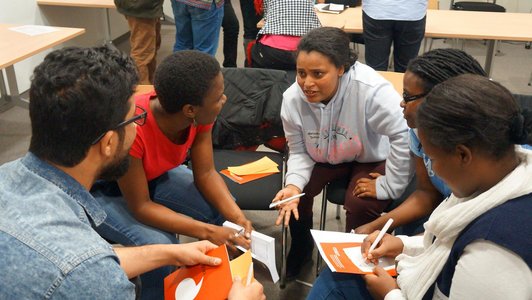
column 83, row 123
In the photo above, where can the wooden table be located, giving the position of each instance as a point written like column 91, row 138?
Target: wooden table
column 395, row 78
column 474, row 25
column 15, row 46
column 103, row 4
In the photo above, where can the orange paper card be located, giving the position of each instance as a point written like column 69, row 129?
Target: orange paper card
column 201, row 282
column 337, row 255
column 244, row 178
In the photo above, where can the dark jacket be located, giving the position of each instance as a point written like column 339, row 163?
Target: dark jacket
column 251, row 115
column 149, row 9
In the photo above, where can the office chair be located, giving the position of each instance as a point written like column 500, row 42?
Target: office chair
column 251, row 117
column 478, row 6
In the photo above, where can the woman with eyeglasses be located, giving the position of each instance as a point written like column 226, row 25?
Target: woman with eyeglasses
column 342, row 120
column 159, row 196
column 422, row 74
column 477, row 242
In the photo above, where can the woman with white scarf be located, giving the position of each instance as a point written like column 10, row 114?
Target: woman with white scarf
column 477, row 243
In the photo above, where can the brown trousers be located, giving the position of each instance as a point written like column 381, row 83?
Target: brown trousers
column 145, row 40
column 359, row 211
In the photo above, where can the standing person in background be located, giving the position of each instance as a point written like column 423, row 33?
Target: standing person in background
column 250, row 17
column 397, row 22
column 341, row 119
column 285, row 22
column 143, row 18
column 197, row 24
column 231, row 29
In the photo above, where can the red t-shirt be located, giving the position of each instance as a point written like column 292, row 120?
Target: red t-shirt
column 158, row 153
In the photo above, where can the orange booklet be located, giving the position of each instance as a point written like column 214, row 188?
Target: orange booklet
column 201, row 282
column 244, row 178
column 341, row 252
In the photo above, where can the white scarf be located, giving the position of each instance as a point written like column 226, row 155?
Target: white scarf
column 418, row 273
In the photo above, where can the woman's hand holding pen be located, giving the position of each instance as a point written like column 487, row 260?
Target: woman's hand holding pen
column 289, row 208
column 224, row 235
column 389, row 245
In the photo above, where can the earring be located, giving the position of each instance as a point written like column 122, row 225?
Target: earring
column 194, row 123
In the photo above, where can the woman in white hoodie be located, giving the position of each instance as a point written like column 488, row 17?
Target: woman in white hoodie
column 477, row 242
column 341, row 119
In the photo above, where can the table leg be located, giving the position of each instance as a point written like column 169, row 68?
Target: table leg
column 107, row 22
column 13, row 88
column 5, row 99
column 489, row 57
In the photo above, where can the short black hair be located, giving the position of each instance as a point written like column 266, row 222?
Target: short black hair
column 184, row 77
column 331, row 42
column 438, row 65
column 76, row 94
column 474, row 111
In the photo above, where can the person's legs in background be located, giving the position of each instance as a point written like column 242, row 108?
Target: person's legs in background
column 145, row 40
column 302, row 244
column 360, row 211
column 331, row 285
column 231, row 28
column 250, row 19
column 378, row 38
column 407, row 39
column 267, row 57
column 183, row 27
column 206, row 28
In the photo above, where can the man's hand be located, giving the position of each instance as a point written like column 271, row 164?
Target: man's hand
column 366, row 228
column 380, row 283
column 289, row 208
column 367, row 187
column 253, row 291
column 246, row 224
column 193, row 254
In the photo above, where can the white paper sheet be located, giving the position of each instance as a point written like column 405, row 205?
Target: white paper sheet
column 33, row 30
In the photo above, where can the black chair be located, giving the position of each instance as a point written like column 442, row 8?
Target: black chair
column 251, row 117
column 477, row 6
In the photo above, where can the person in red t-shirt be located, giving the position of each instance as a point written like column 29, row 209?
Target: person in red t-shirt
column 163, row 196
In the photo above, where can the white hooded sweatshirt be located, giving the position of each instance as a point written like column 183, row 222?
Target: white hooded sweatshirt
column 363, row 122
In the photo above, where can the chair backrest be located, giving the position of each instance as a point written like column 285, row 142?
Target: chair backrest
column 251, row 115
column 477, row 6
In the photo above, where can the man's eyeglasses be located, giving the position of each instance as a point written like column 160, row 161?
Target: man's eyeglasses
column 408, row 98
column 139, row 118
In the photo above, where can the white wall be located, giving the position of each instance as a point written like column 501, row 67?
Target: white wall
column 24, row 12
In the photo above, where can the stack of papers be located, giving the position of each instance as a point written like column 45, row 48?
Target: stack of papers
column 341, row 252
column 330, row 8
column 251, row 171
column 262, row 249
column 206, row 282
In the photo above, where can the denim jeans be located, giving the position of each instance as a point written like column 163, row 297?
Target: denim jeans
column 176, row 190
column 379, row 35
column 331, row 285
column 197, row 28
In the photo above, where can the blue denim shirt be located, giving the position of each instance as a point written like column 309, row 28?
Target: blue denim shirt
column 48, row 248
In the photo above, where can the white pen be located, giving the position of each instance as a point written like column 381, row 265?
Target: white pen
column 381, row 234
column 250, row 274
column 274, row 204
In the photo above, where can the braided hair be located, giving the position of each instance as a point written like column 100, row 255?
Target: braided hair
column 438, row 65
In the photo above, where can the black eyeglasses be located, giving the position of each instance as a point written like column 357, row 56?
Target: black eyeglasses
column 407, row 98
column 139, row 118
